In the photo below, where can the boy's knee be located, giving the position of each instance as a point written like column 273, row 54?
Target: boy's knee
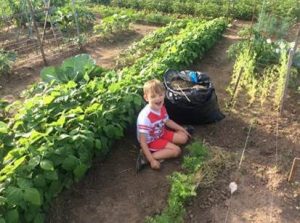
column 177, row 151
column 184, row 138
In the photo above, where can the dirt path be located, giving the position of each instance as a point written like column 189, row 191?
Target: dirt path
column 263, row 192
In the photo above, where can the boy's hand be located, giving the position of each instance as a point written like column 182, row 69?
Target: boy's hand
column 185, row 132
column 155, row 164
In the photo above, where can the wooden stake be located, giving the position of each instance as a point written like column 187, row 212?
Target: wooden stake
column 37, row 33
column 235, row 87
column 45, row 23
column 289, row 65
column 293, row 169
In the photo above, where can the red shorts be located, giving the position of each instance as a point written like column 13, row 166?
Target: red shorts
column 162, row 141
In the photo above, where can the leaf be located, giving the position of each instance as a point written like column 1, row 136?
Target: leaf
column 3, row 127
column 34, row 161
column 46, row 165
column 39, row 218
column 12, row 216
column 49, row 74
column 23, row 183
column 33, row 196
column 75, row 67
column 51, row 175
column 55, row 187
column 14, row 195
column 109, row 131
column 98, row 144
column 48, row 99
column 69, row 163
column 80, row 170
column 39, row 181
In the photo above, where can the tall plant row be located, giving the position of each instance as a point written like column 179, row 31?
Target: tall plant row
column 55, row 135
column 258, row 82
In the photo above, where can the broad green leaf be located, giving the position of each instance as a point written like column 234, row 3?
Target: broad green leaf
column 51, row 175
column 55, row 187
column 75, row 67
column 49, row 74
column 12, row 216
column 39, row 218
column 109, row 131
column 2, row 220
column 3, row 127
column 69, row 163
column 39, row 181
column 98, row 144
column 34, row 161
column 48, row 99
column 14, row 195
column 33, row 196
column 47, row 165
column 80, row 170
column 24, row 183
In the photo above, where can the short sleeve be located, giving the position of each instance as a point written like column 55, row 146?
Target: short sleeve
column 143, row 124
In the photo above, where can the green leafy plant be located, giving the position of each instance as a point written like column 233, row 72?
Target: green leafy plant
column 113, row 24
column 64, row 17
column 201, row 167
column 6, row 61
column 79, row 68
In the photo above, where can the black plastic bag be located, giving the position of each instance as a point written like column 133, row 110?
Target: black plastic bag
column 195, row 104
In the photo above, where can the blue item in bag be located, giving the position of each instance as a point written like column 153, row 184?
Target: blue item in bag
column 193, row 76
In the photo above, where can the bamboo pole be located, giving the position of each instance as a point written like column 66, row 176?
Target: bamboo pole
column 37, row 32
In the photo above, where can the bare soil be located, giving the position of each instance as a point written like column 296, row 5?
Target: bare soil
column 104, row 51
column 113, row 192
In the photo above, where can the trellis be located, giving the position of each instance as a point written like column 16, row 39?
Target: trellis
column 35, row 41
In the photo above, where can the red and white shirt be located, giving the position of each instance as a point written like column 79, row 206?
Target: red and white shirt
column 152, row 123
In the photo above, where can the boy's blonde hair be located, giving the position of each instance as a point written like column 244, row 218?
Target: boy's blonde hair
column 153, row 86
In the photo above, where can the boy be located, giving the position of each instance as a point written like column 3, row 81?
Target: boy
column 156, row 140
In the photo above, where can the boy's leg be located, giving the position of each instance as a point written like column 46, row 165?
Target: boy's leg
column 170, row 151
column 180, row 137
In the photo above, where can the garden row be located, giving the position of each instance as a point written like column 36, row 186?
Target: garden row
column 242, row 9
column 113, row 20
column 261, row 63
column 51, row 140
column 200, row 168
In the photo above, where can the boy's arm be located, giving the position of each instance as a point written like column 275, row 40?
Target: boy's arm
column 153, row 162
column 173, row 125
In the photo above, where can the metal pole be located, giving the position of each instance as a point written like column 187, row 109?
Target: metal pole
column 37, row 33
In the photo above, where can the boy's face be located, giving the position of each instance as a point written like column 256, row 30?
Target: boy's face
column 155, row 100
